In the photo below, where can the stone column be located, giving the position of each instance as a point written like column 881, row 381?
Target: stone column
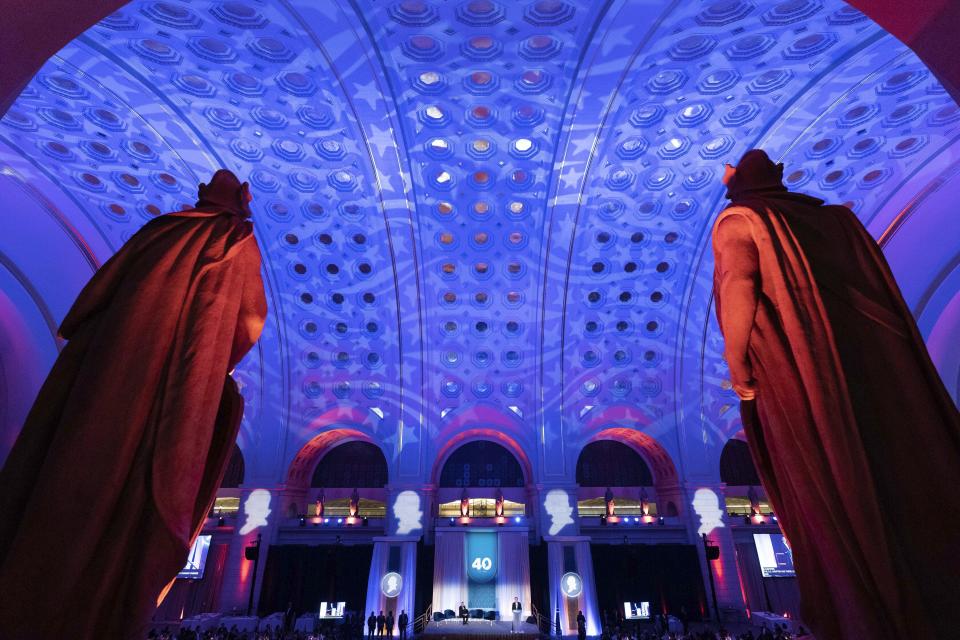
column 571, row 555
column 392, row 583
column 260, row 513
column 705, row 513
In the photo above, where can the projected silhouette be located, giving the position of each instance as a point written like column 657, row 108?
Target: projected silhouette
column 391, row 584
column 706, row 504
column 558, row 508
column 256, row 509
column 406, row 509
column 571, row 585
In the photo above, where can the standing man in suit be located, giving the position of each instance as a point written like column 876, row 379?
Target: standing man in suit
column 381, row 624
column 464, row 613
column 371, row 625
column 517, row 610
column 402, row 622
column 390, row 623
column 581, row 626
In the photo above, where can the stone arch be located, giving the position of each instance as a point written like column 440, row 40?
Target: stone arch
column 478, row 434
column 300, row 470
column 351, row 464
column 236, row 470
column 736, row 465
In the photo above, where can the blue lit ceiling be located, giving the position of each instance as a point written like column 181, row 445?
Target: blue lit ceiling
column 485, row 212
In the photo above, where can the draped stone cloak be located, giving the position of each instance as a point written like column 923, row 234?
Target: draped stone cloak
column 855, row 438
column 120, row 458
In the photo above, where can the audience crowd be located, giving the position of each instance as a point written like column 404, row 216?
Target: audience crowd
column 352, row 629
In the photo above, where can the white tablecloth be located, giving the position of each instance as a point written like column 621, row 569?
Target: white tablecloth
column 243, row 623
column 761, row 618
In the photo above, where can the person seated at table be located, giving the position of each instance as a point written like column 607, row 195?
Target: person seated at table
column 464, row 613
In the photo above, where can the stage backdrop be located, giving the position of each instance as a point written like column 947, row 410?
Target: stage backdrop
column 485, row 568
column 306, row 575
column 665, row 575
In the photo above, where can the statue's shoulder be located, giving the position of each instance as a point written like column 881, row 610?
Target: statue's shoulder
column 743, row 211
column 735, row 221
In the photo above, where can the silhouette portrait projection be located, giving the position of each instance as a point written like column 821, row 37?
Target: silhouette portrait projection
column 557, row 506
column 391, row 584
column 706, row 504
column 407, row 512
column 571, row 584
column 255, row 511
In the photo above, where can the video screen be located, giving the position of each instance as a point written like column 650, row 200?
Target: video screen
column 636, row 610
column 332, row 610
column 197, row 559
column 776, row 558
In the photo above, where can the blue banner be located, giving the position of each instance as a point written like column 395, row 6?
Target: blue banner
column 481, row 555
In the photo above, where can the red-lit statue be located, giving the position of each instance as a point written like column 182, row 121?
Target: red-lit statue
column 853, row 433
column 120, row 458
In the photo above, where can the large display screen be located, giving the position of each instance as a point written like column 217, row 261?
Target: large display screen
column 197, row 559
column 636, row 610
column 329, row 610
column 776, row 558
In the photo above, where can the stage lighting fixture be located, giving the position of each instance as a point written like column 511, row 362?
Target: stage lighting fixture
column 661, row 520
column 603, row 521
column 326, row 520
column 303, row 521
column 339, row 520
column 365, row 522
column 453, row 521
column 746, row 519
column 517, row 519
column 221, row 521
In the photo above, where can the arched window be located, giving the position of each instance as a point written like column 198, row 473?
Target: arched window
column 736, row 465
column 351, row 465
column 607, row 463
column 481, row 464
column 233, row 477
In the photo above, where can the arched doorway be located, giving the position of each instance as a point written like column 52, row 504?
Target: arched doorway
column 744, row 494
column 480, row 471
column 611, row 470
column 350, row 473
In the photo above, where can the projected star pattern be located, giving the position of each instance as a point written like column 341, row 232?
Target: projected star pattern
column 478, row 203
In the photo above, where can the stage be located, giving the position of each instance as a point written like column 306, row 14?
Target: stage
column 497, row 630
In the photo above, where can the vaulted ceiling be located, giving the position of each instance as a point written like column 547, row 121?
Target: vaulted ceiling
column 481, row 206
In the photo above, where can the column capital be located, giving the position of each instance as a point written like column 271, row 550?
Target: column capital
column 562, row 539
column 394, row 539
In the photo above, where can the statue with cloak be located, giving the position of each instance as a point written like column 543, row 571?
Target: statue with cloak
column 854, row 436
column 120, row 458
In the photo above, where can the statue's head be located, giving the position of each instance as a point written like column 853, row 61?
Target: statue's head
column 226, row 191
column 755, row 172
